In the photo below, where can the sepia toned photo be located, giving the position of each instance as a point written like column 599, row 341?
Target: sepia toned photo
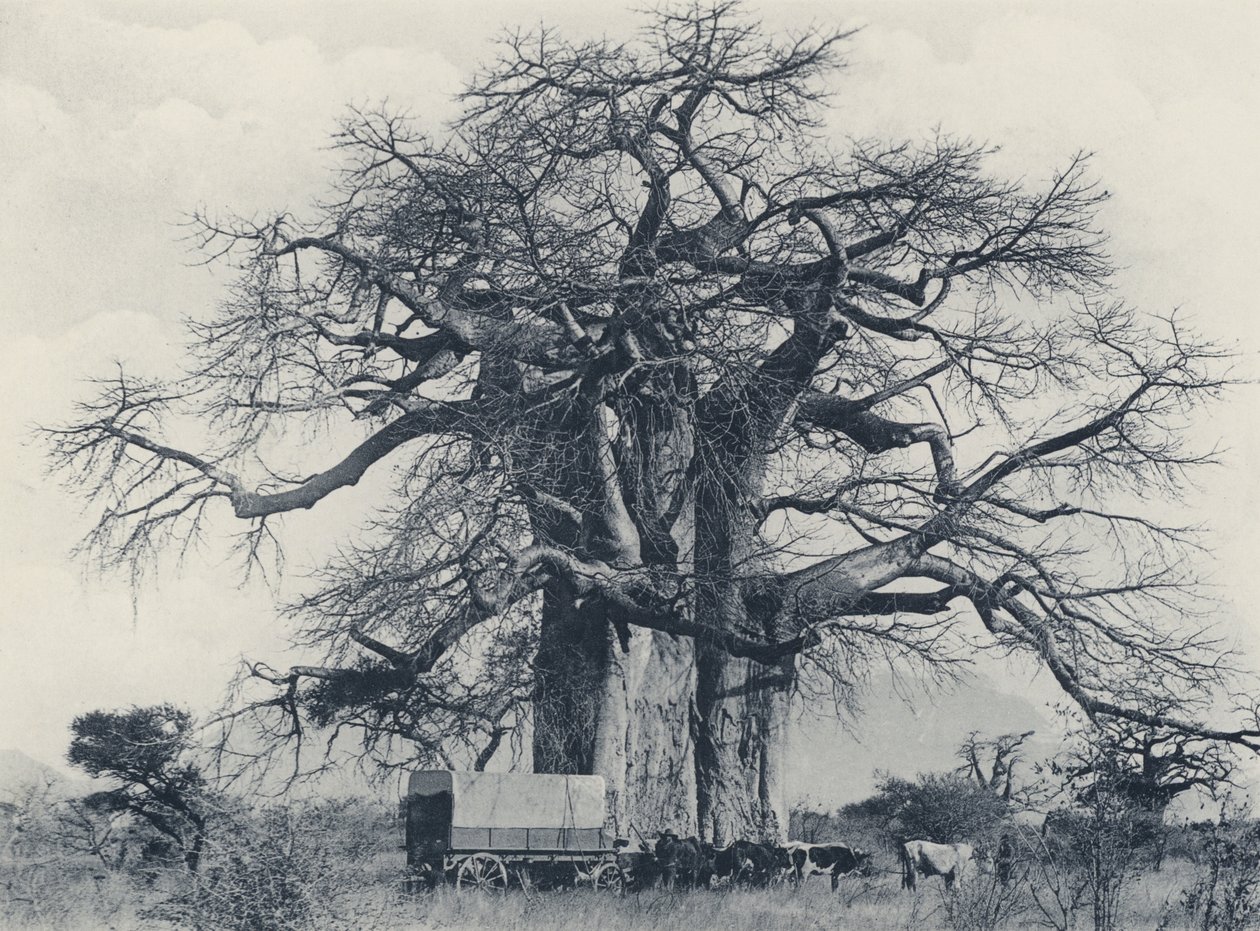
column 733, row 464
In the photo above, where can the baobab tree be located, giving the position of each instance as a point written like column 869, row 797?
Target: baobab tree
column 1001, row 752
column 688, row 410
column 1145, row 768
column 1150, row 767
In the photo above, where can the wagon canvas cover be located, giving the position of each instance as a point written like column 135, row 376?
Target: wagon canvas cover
column 516, row 800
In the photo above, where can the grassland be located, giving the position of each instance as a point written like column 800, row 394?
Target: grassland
column 83, row 898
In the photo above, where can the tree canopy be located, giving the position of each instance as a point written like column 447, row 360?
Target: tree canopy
column 1148, row 767
column 661, row 363
column 146, row 751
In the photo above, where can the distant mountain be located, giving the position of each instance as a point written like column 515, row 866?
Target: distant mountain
column 20, row 773
column 904, row 731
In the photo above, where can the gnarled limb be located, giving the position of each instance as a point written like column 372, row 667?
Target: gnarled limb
column 529, row 339
column 427, row 419
column 877, row 434
column 1006, row 616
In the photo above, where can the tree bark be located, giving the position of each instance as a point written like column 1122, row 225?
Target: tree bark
column 654, row 762
column 742, row 707
column 571, row 682
column 615, row 703
column 621, row 714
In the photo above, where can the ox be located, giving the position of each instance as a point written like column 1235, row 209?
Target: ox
column 640, row 868
column 683, row 860
column 747, row 862
column 952, row 862
column 835, row 860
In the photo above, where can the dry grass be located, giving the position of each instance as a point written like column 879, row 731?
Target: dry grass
column 39, row 898
column 883, row 906
column 581, row 910
column 44, row 896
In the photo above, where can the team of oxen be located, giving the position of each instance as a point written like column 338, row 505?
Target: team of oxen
column 688, row 862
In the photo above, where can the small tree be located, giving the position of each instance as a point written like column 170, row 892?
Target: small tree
column 1105, row 841
column 941, row 807
column 1055, row 886
column 85, row 826
column 146, row 750
column 1094, row 843
column 811, row 825
column 26, row 813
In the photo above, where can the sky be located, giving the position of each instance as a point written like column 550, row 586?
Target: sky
column 120, row 118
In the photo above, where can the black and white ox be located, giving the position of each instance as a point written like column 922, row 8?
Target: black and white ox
column 952, row 862
column 834, row 860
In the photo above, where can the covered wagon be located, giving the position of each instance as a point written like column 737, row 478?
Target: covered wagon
column 484, row 829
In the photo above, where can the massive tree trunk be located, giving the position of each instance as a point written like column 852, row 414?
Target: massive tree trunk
column 742, row 712
column 687, row 737
column 742, row 739
column 624, row 714
column 653, row 750
column 616, row 703
column 741, row 705
column 571, row 682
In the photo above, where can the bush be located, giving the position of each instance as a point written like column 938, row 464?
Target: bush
column 942, row 808
column 280, row 869
column 982, row 903
column 1225, row 895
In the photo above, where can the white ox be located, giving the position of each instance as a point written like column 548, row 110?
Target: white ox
column 952, row 862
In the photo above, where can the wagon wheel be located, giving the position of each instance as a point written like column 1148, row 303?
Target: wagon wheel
column 482, row 871
column 609, row 877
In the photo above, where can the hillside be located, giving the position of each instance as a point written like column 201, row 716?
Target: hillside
column 904, row 730
column 20, row 773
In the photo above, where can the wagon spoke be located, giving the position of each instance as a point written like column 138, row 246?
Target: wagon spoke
column 609, row 877
column 482, row 871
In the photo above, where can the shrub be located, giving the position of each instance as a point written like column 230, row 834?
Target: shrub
column 1225, row 895
column 282, row 868
column 981, row 903
column 942, row 808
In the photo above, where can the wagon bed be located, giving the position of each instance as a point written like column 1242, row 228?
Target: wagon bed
column 478, row 827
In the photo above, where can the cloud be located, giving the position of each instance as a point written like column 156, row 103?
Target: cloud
column 116, row 131
column 75, row 640
column 91, row 62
